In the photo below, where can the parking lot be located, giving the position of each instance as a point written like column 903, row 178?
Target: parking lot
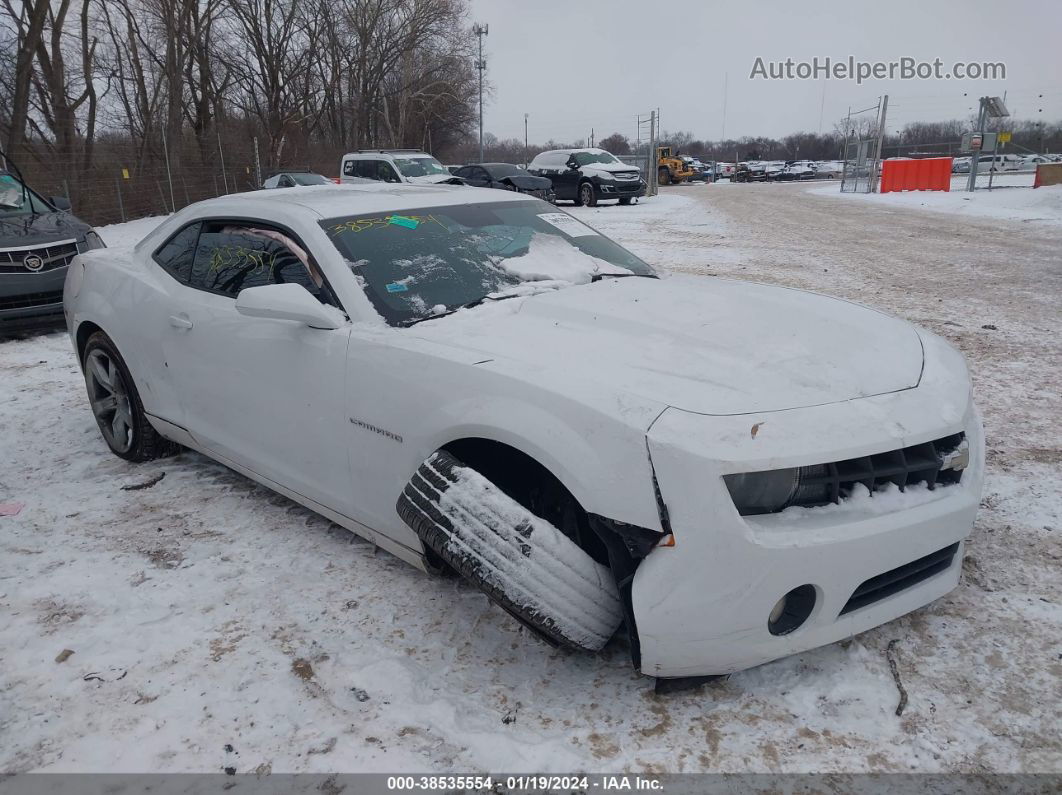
column 214, row 624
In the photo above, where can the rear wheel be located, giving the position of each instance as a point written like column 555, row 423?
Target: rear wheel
column 116, row 404
column 663, row 176
column 525, row 559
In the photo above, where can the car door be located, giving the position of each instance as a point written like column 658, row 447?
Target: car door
column 264, row 393
column 385, row 172
column 566, row 180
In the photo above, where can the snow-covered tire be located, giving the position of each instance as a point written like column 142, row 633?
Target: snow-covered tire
column 520, row 561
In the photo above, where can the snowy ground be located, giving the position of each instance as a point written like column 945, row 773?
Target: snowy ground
column 1012, row 198
column 205, row 613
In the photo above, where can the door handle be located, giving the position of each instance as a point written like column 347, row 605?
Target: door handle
column 180, row 321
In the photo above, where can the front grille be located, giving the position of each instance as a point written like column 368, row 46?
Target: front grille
column 921, row 463
column 892, row 582
column 54, row 255
column 30, row 300
column 626, row 175
column 632, row 187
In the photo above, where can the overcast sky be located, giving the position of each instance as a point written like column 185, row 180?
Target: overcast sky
column 577, row 64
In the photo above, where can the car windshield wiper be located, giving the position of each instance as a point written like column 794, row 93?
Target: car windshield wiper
column 597, row 277
column 467, row 305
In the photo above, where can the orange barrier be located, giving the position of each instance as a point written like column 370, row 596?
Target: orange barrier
column 1048, row 174
column 931, row 173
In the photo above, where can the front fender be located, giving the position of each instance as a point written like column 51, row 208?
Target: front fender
column 417, row 403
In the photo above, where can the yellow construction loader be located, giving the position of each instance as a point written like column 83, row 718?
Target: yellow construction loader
column 671, row 170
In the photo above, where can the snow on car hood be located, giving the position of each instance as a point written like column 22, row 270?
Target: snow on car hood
column 706, row 345
column 432, row 179
column 610, row 167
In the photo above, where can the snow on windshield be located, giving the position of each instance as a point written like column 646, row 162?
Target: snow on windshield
column 412, row 264
column 551, row 258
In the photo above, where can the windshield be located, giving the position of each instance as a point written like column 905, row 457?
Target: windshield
column 431, row 261
column 310, row 179
column 16, row 200
column 586, row 158
column 423, row 166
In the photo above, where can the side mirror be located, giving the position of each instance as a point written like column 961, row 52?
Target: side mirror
column 60, row 203
column 287, row 302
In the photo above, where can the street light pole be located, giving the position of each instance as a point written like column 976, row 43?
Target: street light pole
column 525, row 140
column 481, row 65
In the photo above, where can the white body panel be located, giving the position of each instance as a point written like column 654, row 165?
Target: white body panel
column 590, row 381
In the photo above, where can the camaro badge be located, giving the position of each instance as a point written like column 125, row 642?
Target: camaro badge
column 382, row 431
column 33, row 263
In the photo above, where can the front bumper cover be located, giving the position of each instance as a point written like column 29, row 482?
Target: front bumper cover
column 702, row 606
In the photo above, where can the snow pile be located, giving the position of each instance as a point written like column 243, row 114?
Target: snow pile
column 529, row 560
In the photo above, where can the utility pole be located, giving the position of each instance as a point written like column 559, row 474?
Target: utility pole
column 525, row 140
column 971, row 183
column 881, row 135
column 481, row 65
column 591, row 137
column 650, row 160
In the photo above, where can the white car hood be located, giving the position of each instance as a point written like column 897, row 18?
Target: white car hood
column 706, row 345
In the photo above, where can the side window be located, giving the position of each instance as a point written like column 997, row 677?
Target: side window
column 365, row 169
column 481, row 173
column 386, row 172
column 234, row 256
column 464, row 171
column 176, row 254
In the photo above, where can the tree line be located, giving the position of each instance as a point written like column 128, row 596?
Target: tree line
column 87, row 85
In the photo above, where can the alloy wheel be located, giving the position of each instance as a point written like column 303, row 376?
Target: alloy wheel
column 109, row 397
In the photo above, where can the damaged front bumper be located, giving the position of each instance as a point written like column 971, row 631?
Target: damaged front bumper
column 703, row 606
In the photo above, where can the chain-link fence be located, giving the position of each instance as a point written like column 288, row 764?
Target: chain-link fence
column 122, row 184
column 860, row 167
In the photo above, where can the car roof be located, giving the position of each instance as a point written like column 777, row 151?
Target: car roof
column 332, row 201
column 318, row 202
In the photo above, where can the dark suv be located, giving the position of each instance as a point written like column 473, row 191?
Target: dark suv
column 587, row 176
column 38, row 238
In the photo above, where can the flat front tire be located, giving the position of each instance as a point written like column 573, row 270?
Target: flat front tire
column 116, row 405
column 519, row 560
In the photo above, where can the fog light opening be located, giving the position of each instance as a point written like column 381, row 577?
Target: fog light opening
column 792, row 610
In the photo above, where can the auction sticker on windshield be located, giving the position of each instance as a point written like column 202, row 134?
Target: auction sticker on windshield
column 568, row 225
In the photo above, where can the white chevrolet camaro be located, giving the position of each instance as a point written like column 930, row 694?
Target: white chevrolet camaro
column 477, row 381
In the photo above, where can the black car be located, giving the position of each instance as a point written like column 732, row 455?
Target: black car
column 38, row 238
column 507, row 177
column 587, row 176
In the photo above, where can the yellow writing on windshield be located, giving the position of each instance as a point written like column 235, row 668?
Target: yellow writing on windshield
column 361, row 224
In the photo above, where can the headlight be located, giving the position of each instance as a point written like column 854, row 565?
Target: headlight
column 93, row 241
column 762, row 492
column 774, row 490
